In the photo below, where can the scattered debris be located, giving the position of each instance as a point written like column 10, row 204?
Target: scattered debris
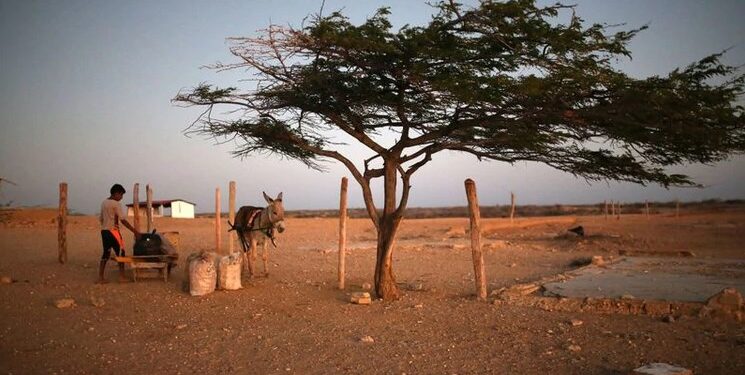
column 518, row 290
column 597, row 260
column 366, row 286
column 576, row 322
column 681, row 253
column 668, row 319
column 578, row 230
column 495, row 245
column 454, row 232
column 581, row 262
column 64, row 303
column 740, row 340
column 414, row 286
column 97, row 301
column 367, row 339
column 726, row 304
column 361, row 298
column 657, row 308
column 497, row 292
column 574, row 348
column 661, row 369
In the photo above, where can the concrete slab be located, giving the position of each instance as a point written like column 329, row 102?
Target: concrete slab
column 667, row 279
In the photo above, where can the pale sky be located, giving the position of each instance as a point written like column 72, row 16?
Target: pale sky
column 85, row 90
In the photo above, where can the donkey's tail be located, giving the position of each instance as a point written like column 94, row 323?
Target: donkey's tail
column 232, row 227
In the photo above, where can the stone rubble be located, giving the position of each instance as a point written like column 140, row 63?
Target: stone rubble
column 64, row 303
column 661, row 369
column 361, row 298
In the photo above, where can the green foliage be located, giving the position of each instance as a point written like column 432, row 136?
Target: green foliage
column 503, row 81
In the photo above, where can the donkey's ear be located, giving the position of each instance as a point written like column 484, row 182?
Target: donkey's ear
column 279, row 197
column 266, row 197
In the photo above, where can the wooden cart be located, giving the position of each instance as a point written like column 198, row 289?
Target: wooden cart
column 162, row 263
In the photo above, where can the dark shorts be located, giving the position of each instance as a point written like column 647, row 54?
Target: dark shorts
column 110, row 242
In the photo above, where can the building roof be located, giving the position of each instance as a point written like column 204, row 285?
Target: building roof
column 163, row 202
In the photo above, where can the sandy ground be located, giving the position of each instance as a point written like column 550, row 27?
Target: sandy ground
column 295, row 321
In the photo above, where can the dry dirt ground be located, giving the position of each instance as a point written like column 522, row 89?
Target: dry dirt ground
column 295, row 321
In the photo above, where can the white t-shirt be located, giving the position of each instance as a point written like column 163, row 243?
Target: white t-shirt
column 111, row 214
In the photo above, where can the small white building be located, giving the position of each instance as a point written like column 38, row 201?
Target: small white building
column 177, row 208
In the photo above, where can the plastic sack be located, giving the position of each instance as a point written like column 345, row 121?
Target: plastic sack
column 202, row 273
column 229, row 272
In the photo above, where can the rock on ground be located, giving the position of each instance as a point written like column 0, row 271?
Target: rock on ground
column 661, row 369
column 64, row 303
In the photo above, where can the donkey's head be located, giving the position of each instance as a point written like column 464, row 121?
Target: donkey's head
column 276, row 212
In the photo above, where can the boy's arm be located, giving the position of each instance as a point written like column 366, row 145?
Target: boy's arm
column 123, row 220
column 130, row 227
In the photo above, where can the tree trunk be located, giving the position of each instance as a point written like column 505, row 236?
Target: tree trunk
column 385, row 282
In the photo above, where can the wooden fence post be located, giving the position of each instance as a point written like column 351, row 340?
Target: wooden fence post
column 136, row 206
column 231, row 212
column 62, row 224
column 618, row 211
column 512, row 207
column 646, row 208
column 605, row 203
column 149, row 207
column 342, row 231
column 478, row 256
column 218, row 237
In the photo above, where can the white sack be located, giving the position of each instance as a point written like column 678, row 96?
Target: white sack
column 202, row 274
column 229, row 272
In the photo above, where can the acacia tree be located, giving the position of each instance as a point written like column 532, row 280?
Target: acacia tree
column 505, row 81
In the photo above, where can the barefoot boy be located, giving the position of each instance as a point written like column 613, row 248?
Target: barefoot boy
column 111, row 216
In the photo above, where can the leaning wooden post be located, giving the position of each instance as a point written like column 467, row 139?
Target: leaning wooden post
column 646, row 208
column 342, row 230
column 217, row 220
column 149, row 207
column 512, row 208
column 231, row 212
column 62, row 224
column 136, row 207
column 478, row 256
column 618, row 211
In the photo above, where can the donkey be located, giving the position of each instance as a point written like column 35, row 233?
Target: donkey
column 256, row 225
